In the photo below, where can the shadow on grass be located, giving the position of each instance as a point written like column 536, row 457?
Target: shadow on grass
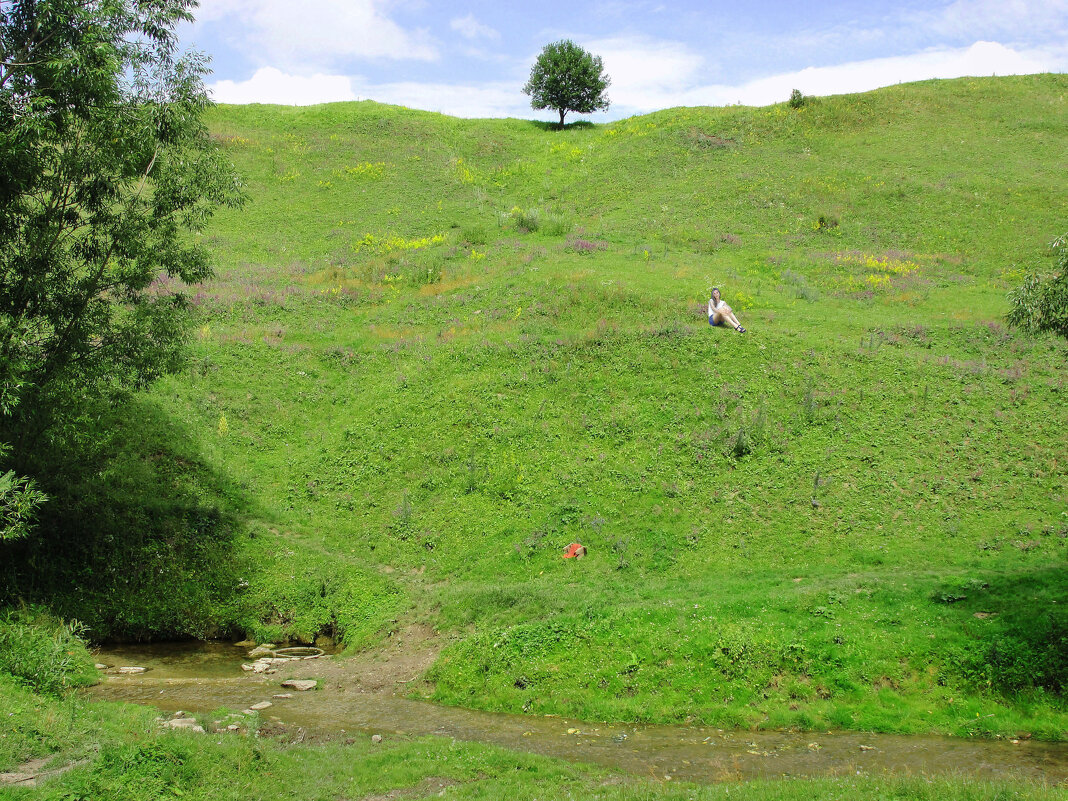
column 1016, row 629
column 554, row 127
column 137, row 538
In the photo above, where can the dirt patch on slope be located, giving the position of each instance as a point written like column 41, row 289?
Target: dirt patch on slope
column 29, row 773
column 391, row 669
column 432, row 785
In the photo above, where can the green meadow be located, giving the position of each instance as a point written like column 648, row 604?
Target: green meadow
column 438, row 351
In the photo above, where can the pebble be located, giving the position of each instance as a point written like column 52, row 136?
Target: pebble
column 282, row 695
column 376, row 738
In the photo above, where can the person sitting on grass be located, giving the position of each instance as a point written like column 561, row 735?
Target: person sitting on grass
column 719, row 313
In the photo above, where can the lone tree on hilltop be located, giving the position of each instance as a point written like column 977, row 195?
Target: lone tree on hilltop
column 567, row 78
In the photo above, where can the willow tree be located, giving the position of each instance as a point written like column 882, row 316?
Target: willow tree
column 106, row 171
column 1040, row 303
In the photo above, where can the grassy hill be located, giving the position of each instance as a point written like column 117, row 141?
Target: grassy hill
column 438, row 351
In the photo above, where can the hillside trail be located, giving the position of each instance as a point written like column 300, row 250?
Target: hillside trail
column 364, row 695
column 33, row 771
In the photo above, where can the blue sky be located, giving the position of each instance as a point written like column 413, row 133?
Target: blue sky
column 471, row 59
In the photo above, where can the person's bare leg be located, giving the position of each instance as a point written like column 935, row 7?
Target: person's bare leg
column 727, row 316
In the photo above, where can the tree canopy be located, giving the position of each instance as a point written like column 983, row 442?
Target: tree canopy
column 106, row 173
column 566, row 78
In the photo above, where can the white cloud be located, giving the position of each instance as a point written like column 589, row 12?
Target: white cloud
column 470, row 28
column 457, row 100
column 982, row 58
column 643, row 71
column 988, row 19
column 270, row 85
column 673, row 80
column 647, row 65
column 315, row 33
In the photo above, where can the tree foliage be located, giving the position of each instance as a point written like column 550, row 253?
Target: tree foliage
column 19, row 498
column 1041, row 302
column 106, row 173
column 566, row 78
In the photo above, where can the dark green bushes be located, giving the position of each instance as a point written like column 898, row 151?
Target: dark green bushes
column 1024, row 654
column 136, row 539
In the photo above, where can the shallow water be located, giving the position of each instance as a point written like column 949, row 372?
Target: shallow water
column 201, row 677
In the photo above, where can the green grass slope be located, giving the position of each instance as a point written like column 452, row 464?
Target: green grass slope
column 437, row 351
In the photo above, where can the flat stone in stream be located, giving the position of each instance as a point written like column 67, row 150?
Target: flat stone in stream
column 300, row 684
column 261, row 705
column 130, row 670
column 259, row 666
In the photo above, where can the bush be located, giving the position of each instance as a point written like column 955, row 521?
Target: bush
column 797, row 100
column 1020, row 655
column 556, row 224
column 43, row 653
column 474, row 234
column 1041, row 302
column 528, row 220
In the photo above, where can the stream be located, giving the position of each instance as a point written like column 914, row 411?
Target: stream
column 202, row 677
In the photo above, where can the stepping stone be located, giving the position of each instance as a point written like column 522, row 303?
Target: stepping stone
column 130, row 670
column 261, row 705
column 300, row 684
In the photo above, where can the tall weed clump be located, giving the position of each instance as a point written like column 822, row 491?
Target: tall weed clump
column 44, row 653
column 750, row 434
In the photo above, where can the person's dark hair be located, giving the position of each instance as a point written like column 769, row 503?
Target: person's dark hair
column 713, row 289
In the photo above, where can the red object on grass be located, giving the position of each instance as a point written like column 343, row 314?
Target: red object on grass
column 575, row 550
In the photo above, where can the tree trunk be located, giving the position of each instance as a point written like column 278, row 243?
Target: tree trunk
column 563, row 111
